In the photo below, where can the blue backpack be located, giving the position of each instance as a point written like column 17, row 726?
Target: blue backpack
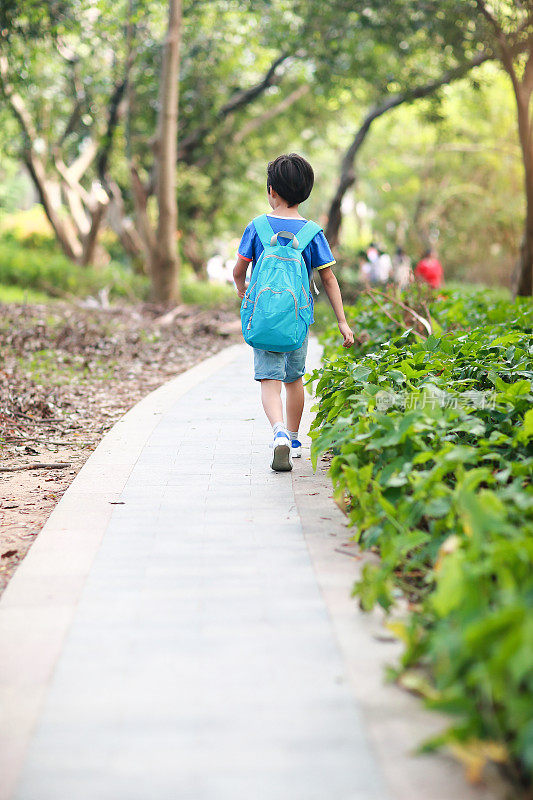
column 277, row 307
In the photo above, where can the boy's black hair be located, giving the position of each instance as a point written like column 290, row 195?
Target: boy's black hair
column 292, row 177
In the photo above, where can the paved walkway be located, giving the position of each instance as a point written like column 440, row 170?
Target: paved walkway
column 200, row 662
column 182, row 628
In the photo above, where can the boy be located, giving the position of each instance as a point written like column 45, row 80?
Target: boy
column 290, row 179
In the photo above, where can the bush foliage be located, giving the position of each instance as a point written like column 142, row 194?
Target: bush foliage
column 432, row 456
column 32, row 267
column 35, row 263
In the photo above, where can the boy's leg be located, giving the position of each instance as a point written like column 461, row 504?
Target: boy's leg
column 294, row 388
column 271, row 399
column 269, row 369
column 294, row 393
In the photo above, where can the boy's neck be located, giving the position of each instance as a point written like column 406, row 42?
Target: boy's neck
column 288, row 212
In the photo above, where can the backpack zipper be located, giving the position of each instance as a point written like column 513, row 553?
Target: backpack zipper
column 249, row 290
column 284, row 258
column 247, row 293
column 306, row 297
column 281, row 258
column 267, row 288
column 272, row 255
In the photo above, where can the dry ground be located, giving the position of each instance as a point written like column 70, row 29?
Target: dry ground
column 67, row 374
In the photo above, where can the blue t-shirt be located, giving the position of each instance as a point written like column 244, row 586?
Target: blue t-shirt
column 317, row 254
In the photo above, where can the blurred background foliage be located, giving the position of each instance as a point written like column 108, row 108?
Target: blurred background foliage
column 257, row 80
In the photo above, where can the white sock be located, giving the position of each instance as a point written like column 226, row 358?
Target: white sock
column 293, row 434
column 279, row 426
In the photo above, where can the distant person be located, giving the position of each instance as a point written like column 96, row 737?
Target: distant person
column 372, row 252
column 365, row 268
column 372, row 255
column 429, row 269
column 290, row 180
column 384, row 267
column 401, row 268
column 217, row 270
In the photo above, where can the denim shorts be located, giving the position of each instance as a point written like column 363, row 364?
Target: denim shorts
column 286, row 367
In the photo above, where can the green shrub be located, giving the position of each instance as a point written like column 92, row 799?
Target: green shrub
column 433, row 456
column 34, row 264
column 204, row 293
column 46, row 270
column 16, row 294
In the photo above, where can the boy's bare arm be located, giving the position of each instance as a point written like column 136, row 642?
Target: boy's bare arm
column 331, row 287
column 239, row 275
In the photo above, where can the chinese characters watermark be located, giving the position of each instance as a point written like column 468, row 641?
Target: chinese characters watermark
column 435, row 398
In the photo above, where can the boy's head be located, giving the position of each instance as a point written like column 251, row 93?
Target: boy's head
column 291, row 177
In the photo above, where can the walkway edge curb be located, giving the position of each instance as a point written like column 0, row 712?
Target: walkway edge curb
column 39, row 603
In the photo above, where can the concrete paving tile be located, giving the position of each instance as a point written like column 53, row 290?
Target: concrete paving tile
column 222, row 481
column 145, row 479
column 185, row 479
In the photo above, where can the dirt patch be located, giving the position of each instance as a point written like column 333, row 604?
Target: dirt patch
column 67, row 374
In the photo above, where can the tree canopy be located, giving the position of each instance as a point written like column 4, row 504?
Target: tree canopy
column 81, row 84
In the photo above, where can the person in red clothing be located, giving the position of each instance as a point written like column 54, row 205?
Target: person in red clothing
column 429, row 269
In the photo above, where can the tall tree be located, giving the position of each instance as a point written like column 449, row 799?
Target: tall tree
column 238, row 72
column 69, row 123
column 347, row 174
column 464, row 28
column 160, row 240
column 446, row 170
column 510, row 25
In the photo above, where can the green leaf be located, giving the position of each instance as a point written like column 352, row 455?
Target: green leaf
column 525, row 433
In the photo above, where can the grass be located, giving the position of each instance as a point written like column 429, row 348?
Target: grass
column 206, row 294
column 33, row 270
column 49, row 367
column 20, row 294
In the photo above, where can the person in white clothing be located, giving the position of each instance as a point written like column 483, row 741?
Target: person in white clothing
column 384, row 266
column 402, row 271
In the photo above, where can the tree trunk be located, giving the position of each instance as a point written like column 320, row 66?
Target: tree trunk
column 164, row 264
column 76, row 224
column 524, row 281
column 523, row 89
column 63, row 229
column 121, row 224
column 193, row 253
column 523, row 278
column 346, row 180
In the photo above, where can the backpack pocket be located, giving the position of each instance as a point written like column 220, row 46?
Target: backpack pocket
column 274, row 319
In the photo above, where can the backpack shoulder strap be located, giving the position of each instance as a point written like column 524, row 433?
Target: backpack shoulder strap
column 264, row 229
column 305, row 234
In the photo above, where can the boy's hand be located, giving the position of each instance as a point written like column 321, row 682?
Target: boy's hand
column 347, row 334
column 239, row 275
